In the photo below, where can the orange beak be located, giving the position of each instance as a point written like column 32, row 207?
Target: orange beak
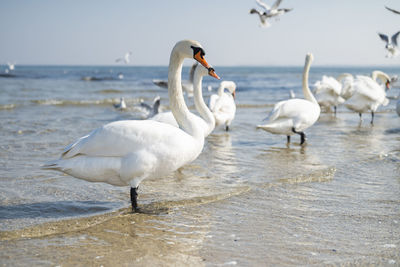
column 387, row 85
column 201, row 60
column 212, row 73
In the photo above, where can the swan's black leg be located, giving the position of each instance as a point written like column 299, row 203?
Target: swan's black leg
column 134, row 195
column 288, row 139
column 372, row 117
column 334, row 110
column 360, row 115
column 302, row 136
column 227, row 128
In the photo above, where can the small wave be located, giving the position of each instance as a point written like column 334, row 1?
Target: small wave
column 7, row 106
column 254, row 106
column 79, row 224
column 74, row 102
column 98, row 79
column 110, row 91
column 7, row 75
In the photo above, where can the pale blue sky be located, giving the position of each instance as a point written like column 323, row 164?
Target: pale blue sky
column 95, row 32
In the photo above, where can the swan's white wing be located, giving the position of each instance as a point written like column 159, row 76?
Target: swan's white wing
column 213, row 100
column 119, row 138
column 368, row 88
column 276, row 4
column 165, row 117
column 332, row 84
column 384, row 37
column 291, row 108
column 394, row 38
column 263, row 5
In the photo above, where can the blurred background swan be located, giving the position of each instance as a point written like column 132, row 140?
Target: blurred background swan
column 222, row 105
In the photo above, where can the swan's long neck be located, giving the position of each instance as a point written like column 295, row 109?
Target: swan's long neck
column 201, row 107
column 306, row 90
column 177, row 102
column 381, row 75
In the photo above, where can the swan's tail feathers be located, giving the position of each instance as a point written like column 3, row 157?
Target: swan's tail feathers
column 53, row 165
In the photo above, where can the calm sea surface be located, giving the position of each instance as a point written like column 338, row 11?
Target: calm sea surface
column 248, row 200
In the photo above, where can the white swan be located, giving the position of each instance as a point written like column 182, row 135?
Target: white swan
column 151, row 111
column 293, row 116
column 369, row 94
column 222, row 105
column 391, row 46
column 207, row 120
column 126, row 152
column 269, row 12
column 121, row 105
column 186, row 85
column 328, row 93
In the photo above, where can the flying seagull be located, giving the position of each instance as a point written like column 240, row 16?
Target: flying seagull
column 391, row 46
column 125, row 59
column 393, row 10
column 269, row 12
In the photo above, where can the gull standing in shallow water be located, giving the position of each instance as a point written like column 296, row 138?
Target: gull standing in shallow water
column 123, row 153
column 151, row 111
column 293, row 116
column 121, row 105
column 391, row 46
column 269, row 12
column 222, row 105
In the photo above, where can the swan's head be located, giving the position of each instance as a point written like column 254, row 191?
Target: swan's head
column 193, row 49
column 309, row 58
column 230, row 86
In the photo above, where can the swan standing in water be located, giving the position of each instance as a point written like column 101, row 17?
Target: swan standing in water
column 269, row 12
column 369, row 94
column 186, row 85
column 293, row 116
column 207, row 120
column 328, row 93
column 222, row 105
column 391, row 46
column 124, row 153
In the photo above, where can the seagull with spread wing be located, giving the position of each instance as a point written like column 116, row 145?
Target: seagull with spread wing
column 393, row 10
column 391, row 46
column 126, row 59
column 269, row 12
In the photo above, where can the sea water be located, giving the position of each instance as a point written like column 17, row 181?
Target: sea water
column 248, row 200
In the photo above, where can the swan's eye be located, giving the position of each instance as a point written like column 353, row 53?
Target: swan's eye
column 197, row 50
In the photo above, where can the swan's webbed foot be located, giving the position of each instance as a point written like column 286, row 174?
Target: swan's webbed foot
column 134, row 195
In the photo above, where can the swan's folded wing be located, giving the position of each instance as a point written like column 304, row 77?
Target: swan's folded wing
column 368, row 88
column 290, row 109
column 122, row 137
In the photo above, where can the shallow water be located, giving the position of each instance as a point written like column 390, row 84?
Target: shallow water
column 248, row 200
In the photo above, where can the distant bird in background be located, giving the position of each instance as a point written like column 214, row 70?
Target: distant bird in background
column 151, row 111
column 187, row 86
column 121, row 105
column 126, row 59
column 393, row 10
column 11, row 66
column 391, row 46
column 269, row 12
